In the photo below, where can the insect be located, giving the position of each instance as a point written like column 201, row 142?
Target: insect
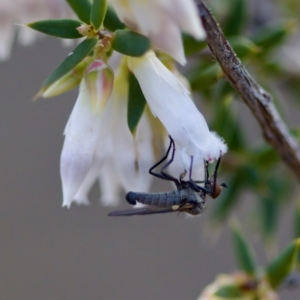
column 189, row 197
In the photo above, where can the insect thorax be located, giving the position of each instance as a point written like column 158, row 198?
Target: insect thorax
column 193, row 202
column 190, row 196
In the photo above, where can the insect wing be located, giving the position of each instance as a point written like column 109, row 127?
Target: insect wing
column 140, row 211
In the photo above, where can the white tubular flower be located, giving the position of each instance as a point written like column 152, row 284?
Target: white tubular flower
column 81, row 136
column 110, row 186
column 23, row 12
column 162, row 21
column 98, row 144
column 132, row 156
column 170, row 101
column 82, row 132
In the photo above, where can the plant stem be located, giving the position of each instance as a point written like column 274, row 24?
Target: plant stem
column 255, row 97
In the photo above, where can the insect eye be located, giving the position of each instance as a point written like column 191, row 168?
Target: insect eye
column 217, row 191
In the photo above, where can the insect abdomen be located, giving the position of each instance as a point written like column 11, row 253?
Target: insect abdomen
column 155, row 199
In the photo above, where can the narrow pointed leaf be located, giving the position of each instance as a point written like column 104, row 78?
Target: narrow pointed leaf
column 62, row 28
column 242, row 252
column 130, row 43
column 280, row 267
column 297, row 232
column 268, row 37
column 226, row 123
column 228, row 199
column 238, row 14
column 243, row 46
column 297, row 222
column 264, row 158
column 82, row 9
column 208, row 76
column 270, row 205
column 111, row 20
column 269, row 212
column 98, row 12
column 229, row 292
column 136, row 104
column 79, row 53
column 69, row 81
column 191, row 45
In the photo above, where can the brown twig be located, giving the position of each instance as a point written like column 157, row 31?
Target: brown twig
column 259, row 101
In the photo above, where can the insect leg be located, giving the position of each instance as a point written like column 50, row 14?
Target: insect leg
column 161, row 161
column 168, row 176
column 164, row 175
column 216, row 171
column 193, row 183
column 206, row 179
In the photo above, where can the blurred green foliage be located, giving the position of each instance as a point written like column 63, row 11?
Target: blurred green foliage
column 258, row 35
column 262, row 38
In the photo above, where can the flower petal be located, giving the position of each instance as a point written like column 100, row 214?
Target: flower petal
column 81, row 134
column 7, row 37
column 99, row 80
column 109, row 185
column 186, row 15
column 81, row 196
column 132, row 158
column 169, row 100
column 162, row 22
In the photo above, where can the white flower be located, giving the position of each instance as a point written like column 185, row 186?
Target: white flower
column 100, row 146
column 23, row 12
column 83, row 128
column 170, row 101
column 81, row 136
column 162, row 21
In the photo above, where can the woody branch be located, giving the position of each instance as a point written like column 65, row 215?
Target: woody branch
column 255, row 97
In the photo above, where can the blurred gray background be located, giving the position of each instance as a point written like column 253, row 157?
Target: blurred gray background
column 50, row 252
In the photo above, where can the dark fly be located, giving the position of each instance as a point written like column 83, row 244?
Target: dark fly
column 189, row 197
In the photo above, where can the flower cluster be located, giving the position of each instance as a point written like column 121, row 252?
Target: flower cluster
column 107, row 137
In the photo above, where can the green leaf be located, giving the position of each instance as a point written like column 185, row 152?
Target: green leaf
column 278, row 188
column 297, row 231
column 130, row 43
column 79, row 53
column 269, row 211
column 280, row 267
column 264, row 158
column 235, row 20
column 231, row 291
column 224, row 204
column 82, row 9
column 295, row 132
column 136, row 104
column 271, row 36
column 62, row 28
column 204, row 76
column 242, row 252
column 191, row 45
column 111, row 20
column 98, row 12
column 225, row 122
column 68, row 81
column 243, row 46
column 297, row 222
